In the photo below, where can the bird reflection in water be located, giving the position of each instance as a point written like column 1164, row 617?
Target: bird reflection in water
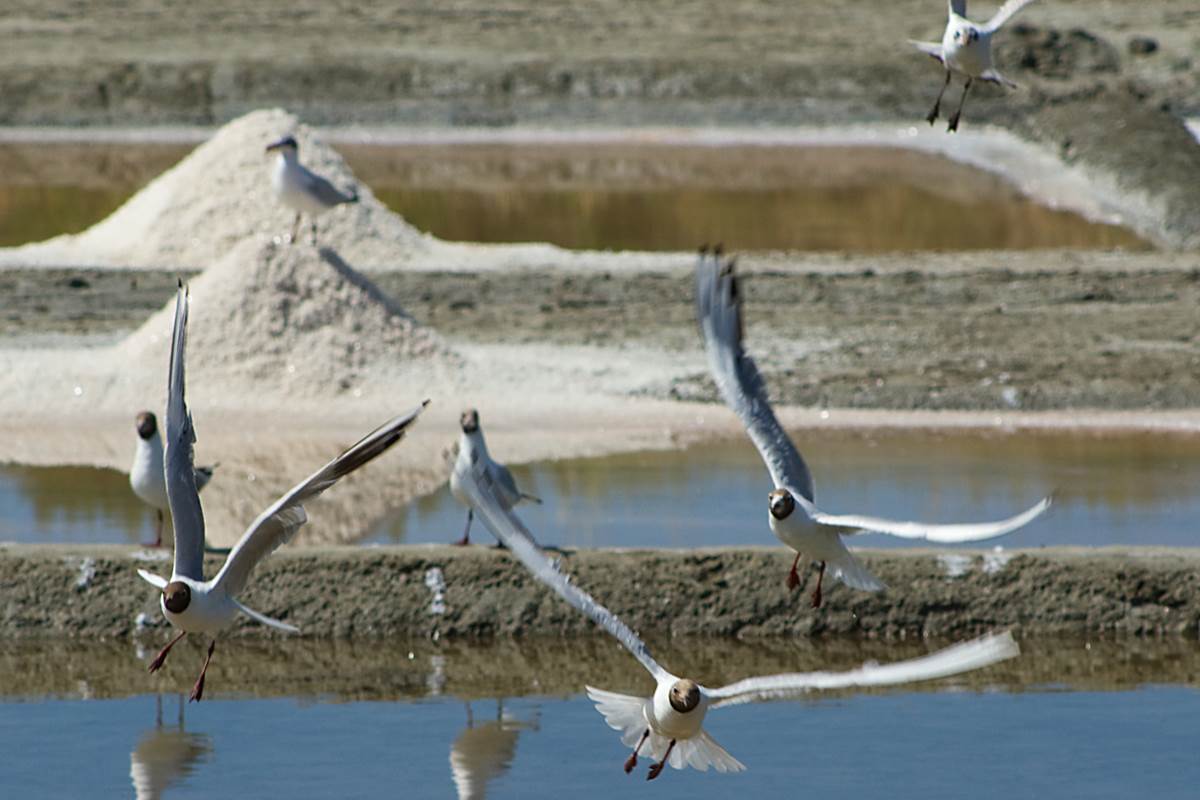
column 484, row 751
column 165, row 755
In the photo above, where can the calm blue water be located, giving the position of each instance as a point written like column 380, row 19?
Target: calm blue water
column 1135, row 490
column 949, row 745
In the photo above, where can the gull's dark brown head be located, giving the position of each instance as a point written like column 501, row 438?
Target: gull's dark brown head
column 176, row 597
column 684, row 695
column 782, row 503
column 147, row 424
column 469, row 421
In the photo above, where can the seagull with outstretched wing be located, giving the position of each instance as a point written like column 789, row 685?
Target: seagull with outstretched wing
column 811, row 531
column 668, row 726
column 189, row 602
column 966, row 50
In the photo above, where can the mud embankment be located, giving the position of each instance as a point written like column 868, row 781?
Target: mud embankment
column 480, row 593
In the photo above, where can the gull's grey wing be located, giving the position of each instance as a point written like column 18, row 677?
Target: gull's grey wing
column 478, row 484
column 505, row 485
column 182, row 495
column 1003, row 15
column 719, row 312
column 933, row 532
column 958, row 7
column 204, row 475
column 323, row 190
column 962, row 657
column 930, row 48
column 276, row 525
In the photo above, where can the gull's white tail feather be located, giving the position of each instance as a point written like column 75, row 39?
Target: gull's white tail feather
column 851, row 571
column 623, row 713
column 264, row 619
column 150, row 577
column 701, row 752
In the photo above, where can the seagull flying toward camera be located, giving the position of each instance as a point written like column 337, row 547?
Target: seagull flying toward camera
column 472, row 449
column 189, row 602
column 146, row 475
column 668, row 726
column 301, row 189
column 966, row 50
column 793, row 515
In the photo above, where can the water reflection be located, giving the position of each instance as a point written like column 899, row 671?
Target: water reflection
column 69, row 504
column 608, row 196
column 1134, row 489
column 387, row 670
column 485, row 750
column 1129, row 489
column 165, row 756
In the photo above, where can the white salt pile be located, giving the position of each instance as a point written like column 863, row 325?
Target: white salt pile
column 220, row 195
column 289, row 318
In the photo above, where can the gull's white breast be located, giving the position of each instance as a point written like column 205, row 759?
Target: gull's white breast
column 666, row 721
column 146, row 476
column 207, row 612
column 287, row 179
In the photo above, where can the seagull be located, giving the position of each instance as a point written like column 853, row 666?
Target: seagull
column 484, row 751
column 165, row 755
column 812, row 531
column 301, row 189
column 189, row 602
column 471, row 449
column 146, row 475
column 669, row 725
column 966, row 49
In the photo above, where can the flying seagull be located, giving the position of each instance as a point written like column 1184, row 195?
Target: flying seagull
column 812, row 531
column 966, row 50
column 473, row 449
column 189, row 602
column 146, row 475
column 668, row 726
column 301, row 189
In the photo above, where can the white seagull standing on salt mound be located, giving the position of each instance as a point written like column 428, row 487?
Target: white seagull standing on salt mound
column 669, row 725
column 189, row 602
column 719, row 312
column 966, row 49
column 301, row 189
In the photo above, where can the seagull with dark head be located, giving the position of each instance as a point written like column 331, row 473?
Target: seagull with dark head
column 966, row 50
column 301, row 189
column 472, row 449
column 668, row 726
column 189, row 602
column 146, row 475
column 792, row 511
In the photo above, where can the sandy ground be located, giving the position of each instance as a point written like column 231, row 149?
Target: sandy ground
column 351, row 593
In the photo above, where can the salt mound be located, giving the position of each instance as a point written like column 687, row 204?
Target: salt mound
column 220, row 195
column 288, row 318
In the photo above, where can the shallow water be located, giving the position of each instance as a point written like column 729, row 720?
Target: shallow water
column 1135, row 489
column 1002, row 734
column 608, row 196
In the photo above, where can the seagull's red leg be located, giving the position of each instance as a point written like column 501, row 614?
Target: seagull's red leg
column 793, row 578
column 631, row 762
column 158, row 530
column 656, row 769
column 816, row 595
column 466, row 539
column 198, row 689
column 162, row 654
